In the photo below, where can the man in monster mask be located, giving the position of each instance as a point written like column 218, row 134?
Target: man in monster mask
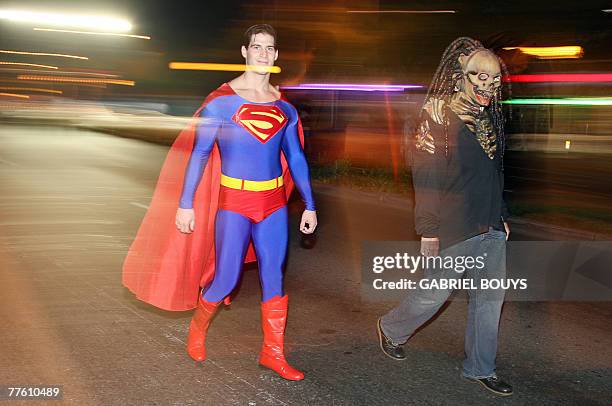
column 458, row 179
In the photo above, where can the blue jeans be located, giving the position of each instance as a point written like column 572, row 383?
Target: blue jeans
column 484, row 304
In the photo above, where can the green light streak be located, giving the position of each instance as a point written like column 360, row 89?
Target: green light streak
column 604, row 101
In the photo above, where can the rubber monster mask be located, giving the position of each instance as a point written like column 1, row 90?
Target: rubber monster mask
column 481, row 76
column 474, row 90
column 468, row 83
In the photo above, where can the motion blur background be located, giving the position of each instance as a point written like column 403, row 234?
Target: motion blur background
column 89, row 106
column 338, row 59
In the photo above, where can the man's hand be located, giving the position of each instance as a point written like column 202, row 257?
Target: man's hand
column 309, row 222
column 185, row 220
column 507, row 227
column 430, row 247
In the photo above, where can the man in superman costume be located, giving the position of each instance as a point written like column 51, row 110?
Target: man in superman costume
column 240, row 161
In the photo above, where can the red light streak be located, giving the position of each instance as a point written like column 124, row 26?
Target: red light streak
column 560, row 77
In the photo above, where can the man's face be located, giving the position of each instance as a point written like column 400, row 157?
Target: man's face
column 261, row 51
column 482, row 76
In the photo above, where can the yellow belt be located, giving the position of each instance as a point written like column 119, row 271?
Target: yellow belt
column 251, row 185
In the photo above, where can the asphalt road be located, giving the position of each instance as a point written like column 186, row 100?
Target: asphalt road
column 71, row 204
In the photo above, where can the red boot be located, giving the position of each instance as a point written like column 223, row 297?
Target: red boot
column 273, row 321
column 196, row 341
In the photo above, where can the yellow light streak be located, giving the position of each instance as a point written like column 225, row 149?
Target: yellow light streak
column 3, row 51
column 94, row 33
column 34, row 65
column 76, row 80
column 20, row 96
column 101, row 86
column 61, row 72
column 106, row 75
column 87, row 21
column 568, row 144
column 227, row 67
column 32, row 89
column 564, row 52
column 25, row 70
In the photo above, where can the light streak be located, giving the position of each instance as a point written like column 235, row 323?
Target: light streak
column 563, row 52
column 560, row 77
column 604, row 101
column 20, row 96
column 34, row 65
column 401, row 11
column 392, row 140
column 106, row 75
column 26, row 70
column 228, row 67
column 353, row 87
column 114, row 34
column 3, row 51
column 76, row 80
column 32, row 89
column 86, row 21
column 61, row 72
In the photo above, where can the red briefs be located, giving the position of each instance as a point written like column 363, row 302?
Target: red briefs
column 255, row 206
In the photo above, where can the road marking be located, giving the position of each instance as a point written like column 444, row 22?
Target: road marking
column 142, row 206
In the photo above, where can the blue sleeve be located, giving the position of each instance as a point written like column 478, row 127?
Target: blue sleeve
column 206, row 133
column 297, row 162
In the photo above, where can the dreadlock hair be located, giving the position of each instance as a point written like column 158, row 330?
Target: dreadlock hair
column 450, row 72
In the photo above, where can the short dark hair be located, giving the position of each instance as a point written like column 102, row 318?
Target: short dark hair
column 259, row 29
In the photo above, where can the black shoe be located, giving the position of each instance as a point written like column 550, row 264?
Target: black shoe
column 388, row 348
column 494, row 384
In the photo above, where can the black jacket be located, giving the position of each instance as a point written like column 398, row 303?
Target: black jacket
column 459, row 194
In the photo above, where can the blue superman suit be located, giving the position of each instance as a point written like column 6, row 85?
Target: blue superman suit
column 250, row 137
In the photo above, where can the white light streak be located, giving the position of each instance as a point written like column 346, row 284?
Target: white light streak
column 114, row 34
column 33, row 65
column 86, row 21
column 4, row 51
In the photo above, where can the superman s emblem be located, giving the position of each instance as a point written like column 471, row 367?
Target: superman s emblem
column 261, row 121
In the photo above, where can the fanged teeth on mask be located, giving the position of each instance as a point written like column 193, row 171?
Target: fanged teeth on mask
column 483, row 93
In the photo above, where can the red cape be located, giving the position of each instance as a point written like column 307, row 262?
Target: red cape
column 165, row 267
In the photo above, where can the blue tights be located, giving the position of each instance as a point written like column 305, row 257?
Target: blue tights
column 233, row 233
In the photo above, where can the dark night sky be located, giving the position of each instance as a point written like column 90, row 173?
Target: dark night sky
column 391, row 47
column 190, row 22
